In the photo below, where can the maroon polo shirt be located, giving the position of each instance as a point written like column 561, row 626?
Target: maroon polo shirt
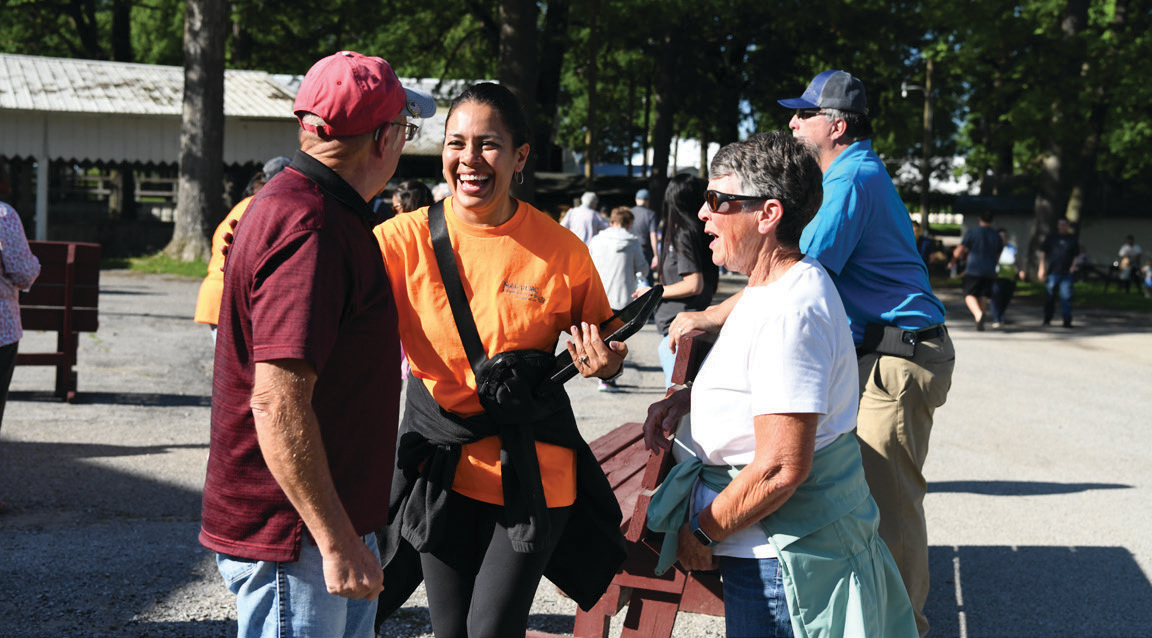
column 304, row 280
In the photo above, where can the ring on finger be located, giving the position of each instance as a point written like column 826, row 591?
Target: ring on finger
column 582, row 358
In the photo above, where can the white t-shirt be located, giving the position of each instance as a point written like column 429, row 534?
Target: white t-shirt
column 786, row 348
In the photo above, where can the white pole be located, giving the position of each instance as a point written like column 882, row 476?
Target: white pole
column 42, row 184
column 42, row 197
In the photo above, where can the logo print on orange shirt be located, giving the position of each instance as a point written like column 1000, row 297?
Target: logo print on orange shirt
column 523, row 292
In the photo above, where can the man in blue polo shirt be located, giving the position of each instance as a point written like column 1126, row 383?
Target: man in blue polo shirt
column 863, row 236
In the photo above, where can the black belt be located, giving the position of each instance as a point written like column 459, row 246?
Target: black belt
column 895, row 341
column 931, row 333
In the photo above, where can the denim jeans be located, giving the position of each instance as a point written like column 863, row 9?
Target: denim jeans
column 1064, row 283
column 290, row 600
column 754, row 603
column 1002, row 291
column 667, row 360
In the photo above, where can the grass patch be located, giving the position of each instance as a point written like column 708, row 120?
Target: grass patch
column 1084, row 295
column 946, row 229
column 158, row 264
column 1093, row 295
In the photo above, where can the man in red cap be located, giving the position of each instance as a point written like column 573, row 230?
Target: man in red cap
column 305, row 398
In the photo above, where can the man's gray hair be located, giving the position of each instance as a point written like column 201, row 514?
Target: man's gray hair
column 775, row 165
column 589, row 200
column 313, row 119
column 858, row 125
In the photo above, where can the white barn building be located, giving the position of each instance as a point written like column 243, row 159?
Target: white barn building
column 65, row 117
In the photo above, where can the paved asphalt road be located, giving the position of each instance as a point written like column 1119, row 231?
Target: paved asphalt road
column 1039, row 505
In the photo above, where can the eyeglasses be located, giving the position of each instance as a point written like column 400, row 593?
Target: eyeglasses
column 803, row 114
column 409, row 130
column 716, row 199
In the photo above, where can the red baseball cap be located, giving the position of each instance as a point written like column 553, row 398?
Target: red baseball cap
column 356, row 94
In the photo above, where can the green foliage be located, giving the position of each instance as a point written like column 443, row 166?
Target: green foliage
column 1014, row 82
column 158, row 264
column 158, row 32
column 438, row 40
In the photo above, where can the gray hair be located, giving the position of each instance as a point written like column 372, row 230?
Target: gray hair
column 589, row 199
column 275, row 165
column 777, row 166
column 858, row 126
column 441, row 190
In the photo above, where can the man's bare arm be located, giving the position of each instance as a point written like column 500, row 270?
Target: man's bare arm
column 289, row 437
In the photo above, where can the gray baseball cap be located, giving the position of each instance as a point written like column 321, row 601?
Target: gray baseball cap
column 831, row 90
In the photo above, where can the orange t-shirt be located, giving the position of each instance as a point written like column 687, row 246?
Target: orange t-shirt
column 527, row 281
column 208, row 301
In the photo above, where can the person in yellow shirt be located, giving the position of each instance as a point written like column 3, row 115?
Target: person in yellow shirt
column 208, row 301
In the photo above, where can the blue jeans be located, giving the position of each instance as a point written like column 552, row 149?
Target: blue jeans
column 667, row 360
column 290, row 600
column 1064, row 283
column 1002, row 291
column 754, row 603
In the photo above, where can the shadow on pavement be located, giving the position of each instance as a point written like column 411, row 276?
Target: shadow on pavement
column 1034, row 592
column 1017, row 488
column 117, row 398
column 68, row 478
column 149, row 315
column 98, row 547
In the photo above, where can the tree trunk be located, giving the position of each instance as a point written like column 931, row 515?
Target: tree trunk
column 519, row 72
column 553, row 46
column 1052, row 195
column 664, row 97
column 83, row 16
column 200, row 189
column 647, row 128
column 704, row 142
column 1098, row 74
column 122, row 31
column 631, row 110
column 241, row 46
column 590, row 133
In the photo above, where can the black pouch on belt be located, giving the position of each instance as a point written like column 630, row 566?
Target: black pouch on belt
column 889, row 340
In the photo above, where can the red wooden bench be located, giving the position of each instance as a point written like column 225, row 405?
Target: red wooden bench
column 63, row 299
column 652, row 601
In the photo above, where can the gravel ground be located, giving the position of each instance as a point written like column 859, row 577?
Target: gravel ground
column 1039, row 467
column 105, row 493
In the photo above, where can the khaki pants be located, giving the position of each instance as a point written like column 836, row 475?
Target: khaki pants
column 897, row 399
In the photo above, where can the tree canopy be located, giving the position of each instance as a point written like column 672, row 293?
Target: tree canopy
column 1038, row 96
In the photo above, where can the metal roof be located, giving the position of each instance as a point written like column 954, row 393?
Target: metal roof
column 119, row 111
column 30, row 83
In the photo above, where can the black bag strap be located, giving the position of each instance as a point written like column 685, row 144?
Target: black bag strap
column 450, row 273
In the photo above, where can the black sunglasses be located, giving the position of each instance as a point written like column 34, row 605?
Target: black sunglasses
column 716, row 199
column 803, row 114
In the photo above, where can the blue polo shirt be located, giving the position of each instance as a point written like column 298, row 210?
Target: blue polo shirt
column 862, row 234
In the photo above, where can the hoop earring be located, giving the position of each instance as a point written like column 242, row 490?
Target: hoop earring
column 518, row 177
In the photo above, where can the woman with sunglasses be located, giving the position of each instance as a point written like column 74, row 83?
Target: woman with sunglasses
column 465, row 509
column 685, row 266
column 773, row 490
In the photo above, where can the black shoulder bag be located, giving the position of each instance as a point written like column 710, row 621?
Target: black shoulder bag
column 514, row 386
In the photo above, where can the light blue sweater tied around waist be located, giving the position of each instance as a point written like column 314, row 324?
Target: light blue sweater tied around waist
column 839, row 578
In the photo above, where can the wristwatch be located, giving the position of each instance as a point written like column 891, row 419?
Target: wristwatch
column 694, row 525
